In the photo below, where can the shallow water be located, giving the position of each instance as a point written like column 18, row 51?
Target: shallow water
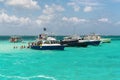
column 92, row 63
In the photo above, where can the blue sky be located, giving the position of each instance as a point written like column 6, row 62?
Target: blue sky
column 28, row 17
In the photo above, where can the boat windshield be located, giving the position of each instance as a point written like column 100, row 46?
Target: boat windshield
column 51, row 42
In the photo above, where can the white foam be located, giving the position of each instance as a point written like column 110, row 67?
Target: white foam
column 18, row 77
column 28, row 78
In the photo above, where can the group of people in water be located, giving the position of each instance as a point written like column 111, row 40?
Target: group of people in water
column 22, row 46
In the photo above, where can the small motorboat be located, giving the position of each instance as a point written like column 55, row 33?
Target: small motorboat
column 15, row 39
column 105, row 40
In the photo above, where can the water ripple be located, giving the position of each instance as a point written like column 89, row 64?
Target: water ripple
column 28, row 78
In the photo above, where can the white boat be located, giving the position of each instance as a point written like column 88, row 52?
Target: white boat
column 46, row 43
column 97, row 37
column 92, row 39
column 105, row 40
column 15, row 39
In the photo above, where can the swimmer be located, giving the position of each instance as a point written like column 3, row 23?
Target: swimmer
column 21, row 47
column 28, row 46
column 24, row 46
column 14, row 47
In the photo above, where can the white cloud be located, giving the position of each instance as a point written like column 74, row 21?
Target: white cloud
column 88, row 9
column 5, row 18
column 49, row 14
column 52, row 9
column 2, row 10
column 84, row 2
column 116, row 0
column 29, row 4
column 1, row 0
column 103, row 20
column 74, row 20
column 75, row 6
column 88, row 4
column 71, row 3
column 117, row 23
column 44, row 19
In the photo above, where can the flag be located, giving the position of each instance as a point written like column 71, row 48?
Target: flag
column 44, row 29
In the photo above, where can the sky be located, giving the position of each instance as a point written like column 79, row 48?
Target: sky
column 61, row 17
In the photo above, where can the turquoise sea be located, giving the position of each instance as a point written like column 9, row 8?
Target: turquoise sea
column 92, row 63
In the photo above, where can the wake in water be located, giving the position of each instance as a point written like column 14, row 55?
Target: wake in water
column 28, row 78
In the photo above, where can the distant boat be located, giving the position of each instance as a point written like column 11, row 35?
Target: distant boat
column 92, row 39
column 92, row 42
column 46, row 43
column 15, row 39
column 73, row 41
column 105, row 40
column 95, row 38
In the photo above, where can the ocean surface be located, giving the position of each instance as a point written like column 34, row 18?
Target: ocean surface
column 92, row 63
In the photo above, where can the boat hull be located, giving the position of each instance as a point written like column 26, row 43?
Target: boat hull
column 47, row 47
column 94, row 42
column 74, row 43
